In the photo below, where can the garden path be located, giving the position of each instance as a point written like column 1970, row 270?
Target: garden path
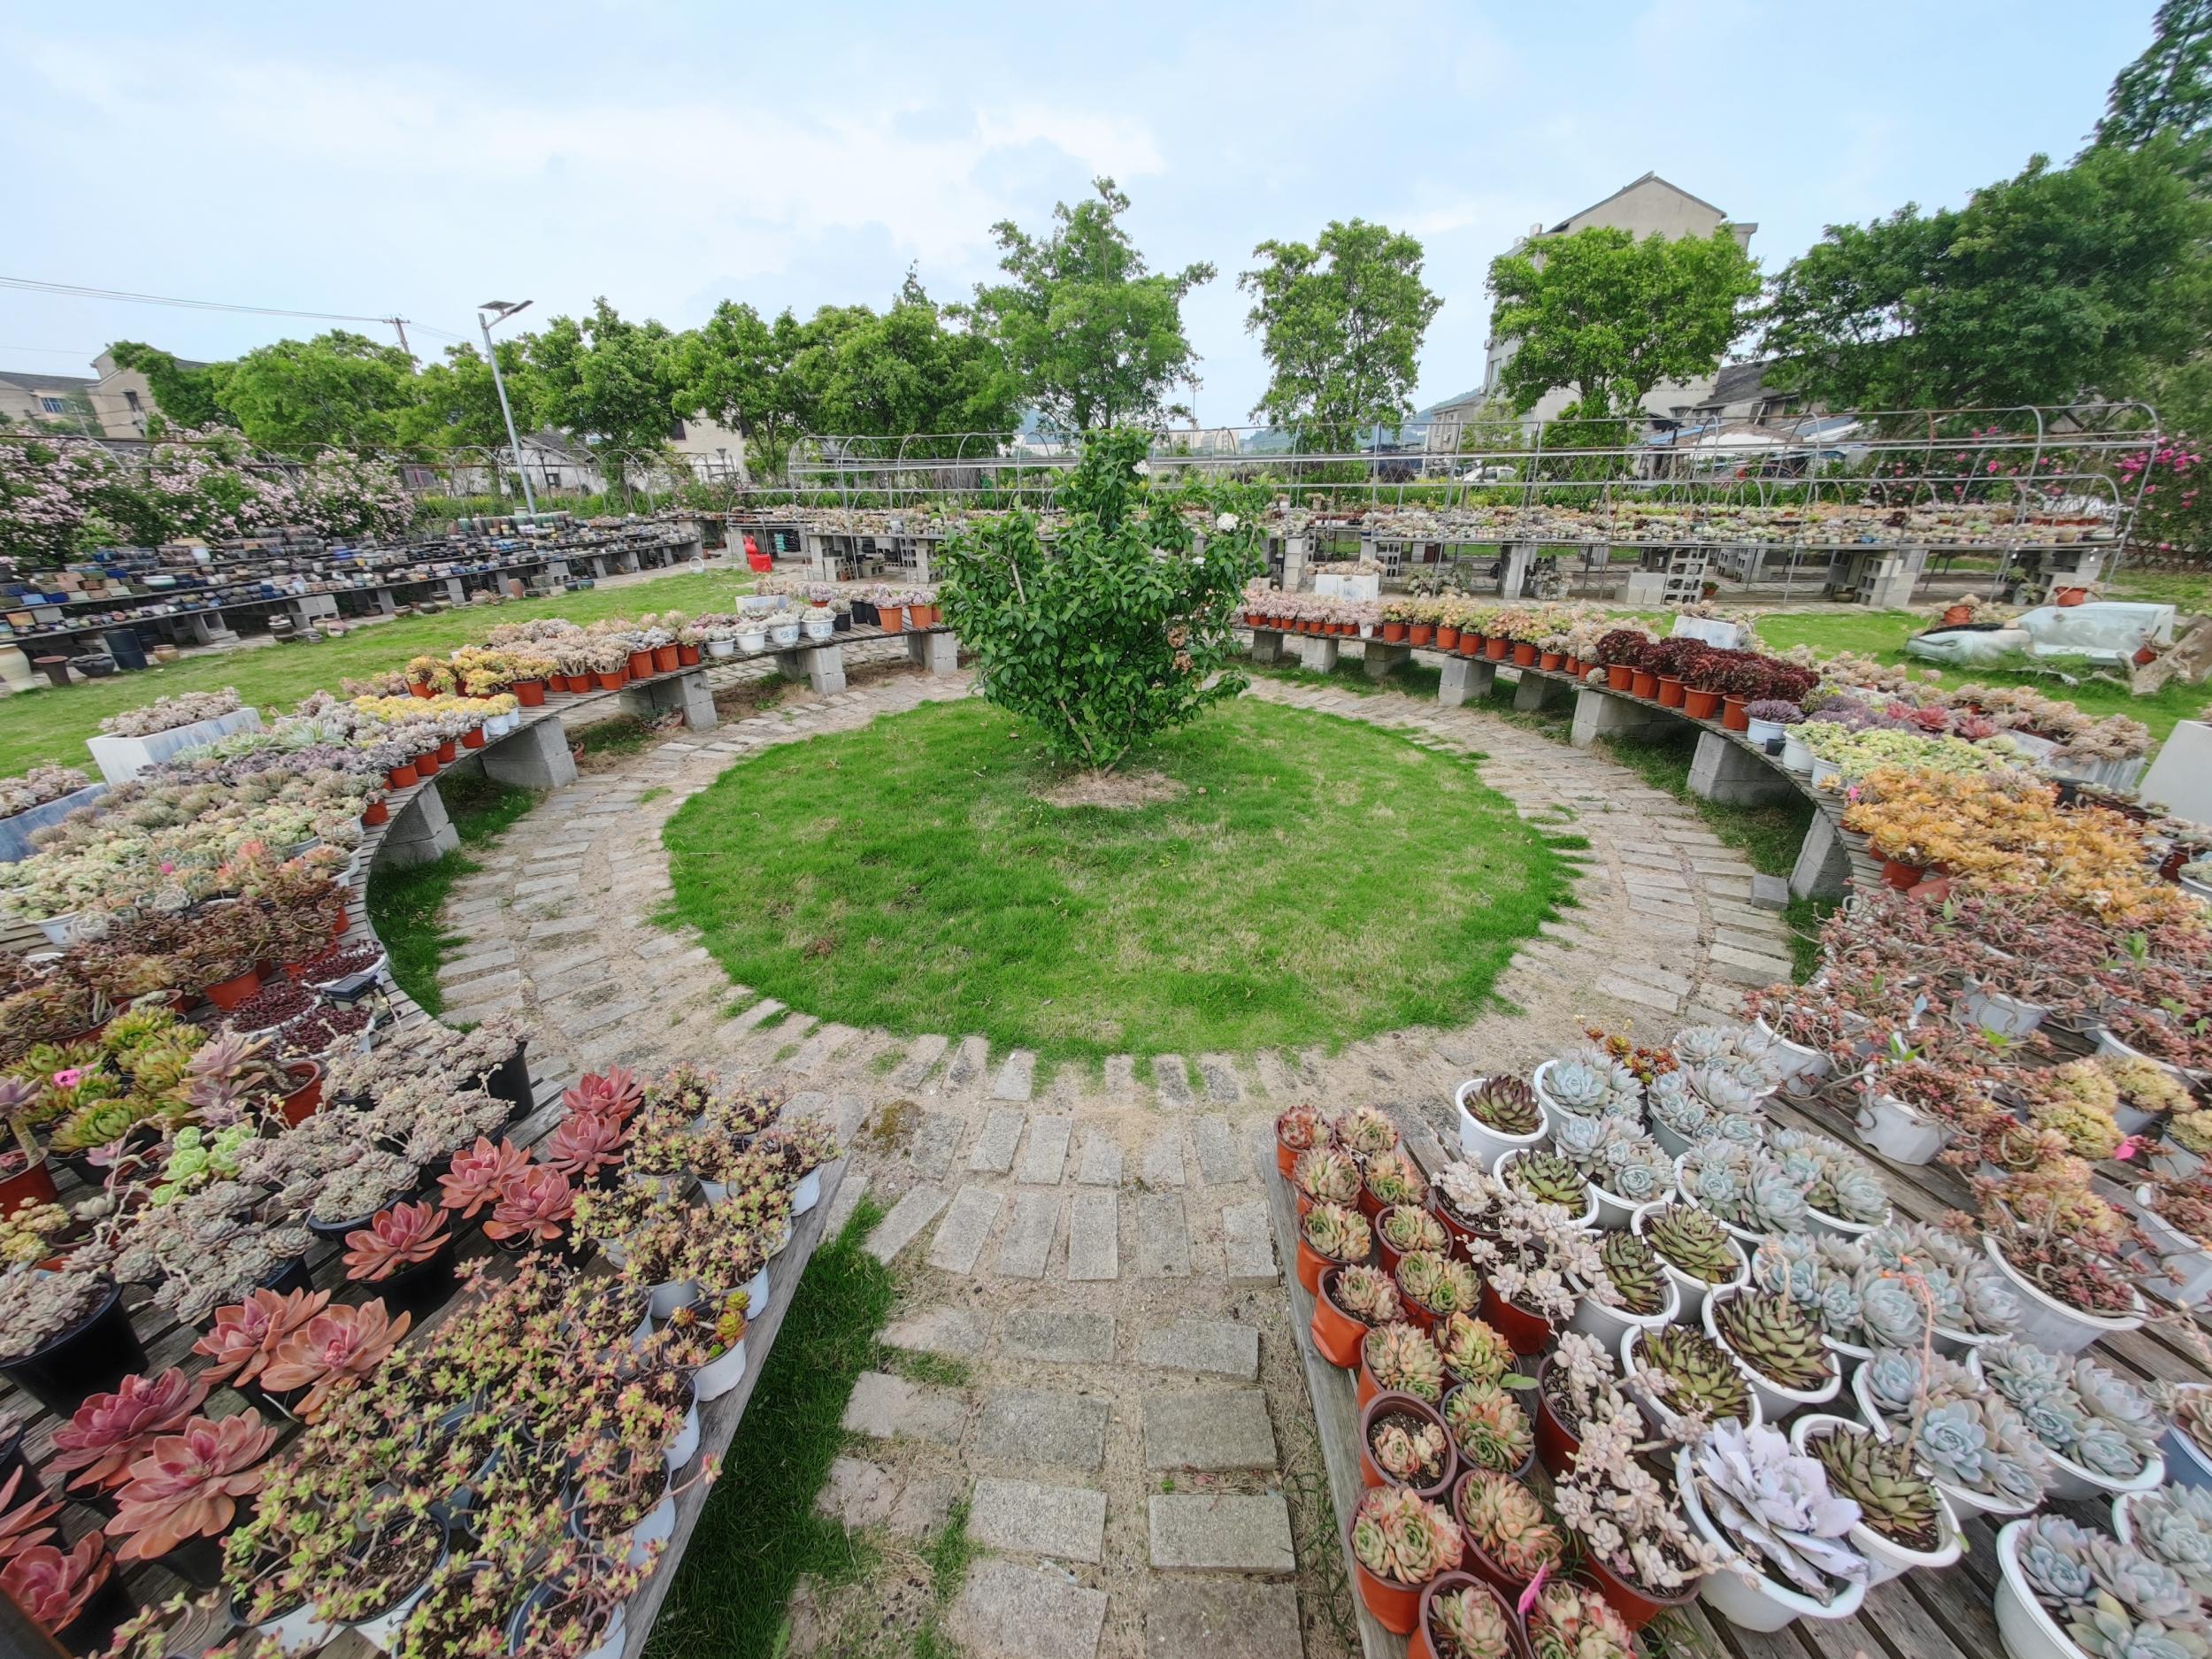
column 1093, row 1349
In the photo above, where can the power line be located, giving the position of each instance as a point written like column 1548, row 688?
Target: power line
column 56, row 351
column 78, row 291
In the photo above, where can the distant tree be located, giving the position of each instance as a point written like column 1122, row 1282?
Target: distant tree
column 1611, row 315
column 735, row 370
column 183, row 396
column 456, row 405
column 1095, row 337
column 339, row 389
column 2167, row 92
column 902, row 373
column 1341, row 323
column 2057, row 284
column 611, row 382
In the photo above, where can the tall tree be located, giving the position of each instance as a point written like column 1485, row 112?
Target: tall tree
column 339, row 389
column 902, row 372
column 1612, row 314
column 1096, row 338
column 2167, row 92
column 735, row 370
column 456, row 405
column 184, row 397
column 611, row 382
column 1341, row 323
column 2058, row 284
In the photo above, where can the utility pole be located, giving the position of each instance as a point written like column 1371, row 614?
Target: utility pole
column 400, row 323
column 498, row 312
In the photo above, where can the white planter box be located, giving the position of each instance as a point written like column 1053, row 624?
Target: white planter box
column 122, row 758
column 16, row 833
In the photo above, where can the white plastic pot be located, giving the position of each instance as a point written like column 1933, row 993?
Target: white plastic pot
column 1691, row 1293
column 1900, row 1132
column 1795, row 756
column 807, row 1194
column 671, row 1295
column 299, row 1630
column 756, row 1293
column 1763, row 732
column 721, row 648
column 382, row 1631
column 820, row 628
column 1824, row 771
column 1776, row 1402
column 1842, row 1226
column 654, row 1526
column 1614, row 1213
column 1589, row 1216
column 721, row 1373
column 1756, row 1602
column 1992, row 1011
column 1884, row 1559
column 2185, row 1266
column 1608, row 1325
column 784, row 634
column 60, row 930
column 2188, row 1464
column 2049, row 1323
column 2023, row 1624
column 1800, row 1067
column 687, row 1441
column 1664, row 1418
column 1483, row 1145
column 753, row 640
column 2070, row 1480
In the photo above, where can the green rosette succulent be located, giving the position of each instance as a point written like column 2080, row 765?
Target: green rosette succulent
column 1770, row 1333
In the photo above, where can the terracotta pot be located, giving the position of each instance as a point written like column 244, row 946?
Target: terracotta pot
column 1525, row 1333
column 529, row 693
column 1417, row 1644
column 1619, row 676
column 1496, row 647
column 1525, row 653
column 1644, row 684
column 1393, row 631
column 26, row 1186
column 2067, row 598
column 891, row 618
column 1421, row 633
column 1310, row 1262
column 1701, row 705
column 1902, row 875
column 233, row 992
column 1371, row 1475
column 1571, row 664
column 1636, row 1607
column 376, row 813
column 427, row 764
column 614, row 681
column 1549, row 661
column 302, row 1103
column 421, row 689
column 641, row 665
column 926, row 616
column 1397, row 1607
column 1454, row 1229
column 448, row 752
column 1555, row 1444
column 1732, row 717
column 1473, row 644
column 472, row 740
column 1446, row 639
column 1335, row 1333
column 1953, row 616
column 687, row 656
column 664, row 658
column 401, row 777
column 1670, row 693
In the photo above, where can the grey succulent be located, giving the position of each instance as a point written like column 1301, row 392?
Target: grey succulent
column 1590, row 1083
column 1970, row 1295
column 1983, row 1445
column 2147, row 1586
column 2119, row 1403
column 1890, row 1311
column 1817, row 1273
column 2114, row 1602
column 2174, row 1523
column 1834, row 1179
column 1743, row 1187
column 2078, row 1409
column 1613, row 1152
column 2053, row 1555
column 1701, row 1045
column 1897, row 1378
column 1776, row 1505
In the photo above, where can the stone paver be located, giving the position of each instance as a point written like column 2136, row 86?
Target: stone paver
column 955, row 1333
column 914, row 1211
column 1016, row 1077
column 961, row 1234
column 1045, row 1152
column 1220, row 1346
column 1220, row 1430
column 1028, row 1425
column 1094, row 1236
column 857, row 1494
column 924, row 1505
column 993, row 1149
column 1221, row 1533
column 1219, row 1160
column 890, row 1407
column 1011, row 1612
column 1172, row 1080
column 1028, row 1243
column 1066, row 1522
column 1164, row 1159
column 1163, row 1236
column 936, row 1138
column 1099, row 1163
column 1218, row 1073
column 1221, row 1620
column 967, row 1062
column 921, row 1060
column 1057, row 1336
column 1248, row 1244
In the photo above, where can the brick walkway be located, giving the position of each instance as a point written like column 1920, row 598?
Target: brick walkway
column 1117, row 1398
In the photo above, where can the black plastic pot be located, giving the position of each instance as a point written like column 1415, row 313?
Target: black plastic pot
column 290, row 1277
column 511, row 1082
column 421, row 1289
column 93, row 1630
column 91, row 1358
column 842, row 622
column 198, row 1561
column 13, row 1461
column 864, row 614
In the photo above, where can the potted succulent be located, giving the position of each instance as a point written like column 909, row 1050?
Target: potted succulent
column 183, row 1494
column 1778, row 1347
column 1637, row 1544
column 1329, row 1235
column 1904, row 1522
column 2065, row 1592
column 1365, row 1132
column 1351, row 1301
column 1497, row 1115
column 1769, row 1507
column 1983, row 1455
column 1569, row 1621
column 2072, row 1289
column 1433, row 1284
column 2174, row 1525
column 1400, row 1359
column 2187, row 1446
column 1390, row 1179
column 1510, row 1537
column 1405, row 1229
column 1623, row 1166
column 1403, row 1442
column 2100, row 1431
column 1326, row 1174
column 1676, row 1370
column 1398, row 1542
column 1490, row 1429
column 97, row 1445
column 1578, row 1381
column 1297, row 1130
column 1695, row 1251
column 1547, row 1178
column 1475, row 1352
column 408, row 1251
column 1630, row 1289
column 1462, row 1617
column 1844, row 1193
column 64, row 1335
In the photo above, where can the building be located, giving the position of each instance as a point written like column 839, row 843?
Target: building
column 1649, row 206
column 57, row 402
column 1740, row 392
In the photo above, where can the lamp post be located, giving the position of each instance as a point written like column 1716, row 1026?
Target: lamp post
column 498, row 312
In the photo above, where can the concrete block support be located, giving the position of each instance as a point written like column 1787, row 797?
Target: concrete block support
column 209, row 628
column 1823, row 863
column 1317, row 653
column 309, row 609
column 1729, row 774
column 535, row 757
column 382, row 602
column 1600, row 714
column 684, row 693
column 817, row 548
column 421, row 834
column 1539, row 691
column 1513, row 569
column 1466, row 679
column 1267, row 645
column 1381, row 659
column 454, row 594
column 935, row 653
column 821, row 666
column 1294, row 563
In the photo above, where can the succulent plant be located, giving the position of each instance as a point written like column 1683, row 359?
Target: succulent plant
column 1411, row 1450
column 1440, row 1283
column 1743, row 1187
column 1328, row 1175
column 1406, row 1228
column 1692, row 1243
column 1616, row 1154
column 1473, row 1350
column 2174, row 1523
column 1402, row 1360
column 1835, row 1180
column 1394, row 1178
column 2114, row 1601
column 1571, row 1622
column 2076, row 1409
column 1631, row 1279
column 1510, row 1524
column 1777, row 1506
column 1368, row 1294
column 1819, row 1274
column 1769, row 1332
column 1894, row 1498
column 1469, row 1623
column 1336, row 1232
column 1505, row 1104
column 1300, row 1127
column 1984, row 1447
column 1968, row 1295
column 1898, row 1381
column 1549, row 1178
column 1690, row 1373
column 1591, row 1083
column 1470, row 1193
column 1365, row 1132
column 1402, row 1538
column 1489, row 1426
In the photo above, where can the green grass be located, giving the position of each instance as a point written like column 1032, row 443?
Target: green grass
column 616, row 734
column 652, row 794
column 946, row 1554
column 404, row 905
column 759, row 1531
column 1318, row 881
column 1883, row 634
column 51, row 723
column 2190, row 591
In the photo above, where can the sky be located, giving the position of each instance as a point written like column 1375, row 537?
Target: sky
column 407, row 159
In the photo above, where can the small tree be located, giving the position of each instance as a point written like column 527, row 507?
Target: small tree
column 1119, row 630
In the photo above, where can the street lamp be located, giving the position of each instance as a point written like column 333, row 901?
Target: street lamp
column 498, row 312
